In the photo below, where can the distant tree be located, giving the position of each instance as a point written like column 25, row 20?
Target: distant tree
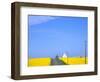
column 57, row 57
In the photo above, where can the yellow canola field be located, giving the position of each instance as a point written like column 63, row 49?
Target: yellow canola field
column 74, row 60
column 47, row 61
column 39, row 61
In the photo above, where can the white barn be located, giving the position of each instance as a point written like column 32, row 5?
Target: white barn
column 64, row 55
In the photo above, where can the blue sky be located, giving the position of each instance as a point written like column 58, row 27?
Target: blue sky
column 49, row 36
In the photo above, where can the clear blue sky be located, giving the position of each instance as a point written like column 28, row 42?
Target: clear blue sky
column 52, row 35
